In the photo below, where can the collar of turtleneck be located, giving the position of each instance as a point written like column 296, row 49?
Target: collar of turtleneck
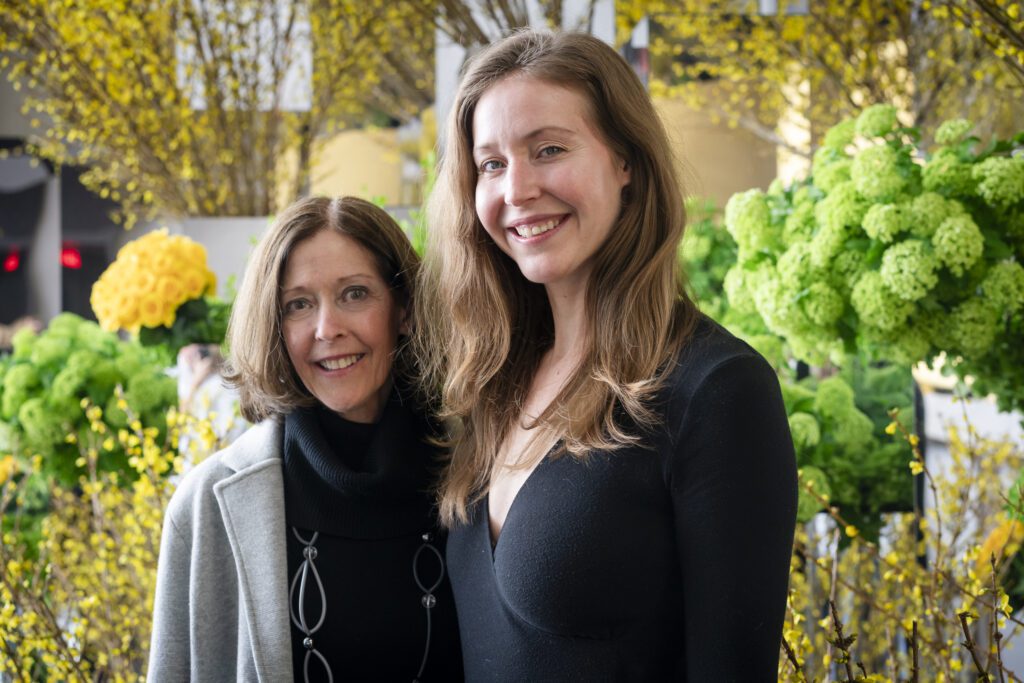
column 354, row 480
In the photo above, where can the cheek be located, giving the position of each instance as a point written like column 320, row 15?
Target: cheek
column 487, row 209
column 292, row 341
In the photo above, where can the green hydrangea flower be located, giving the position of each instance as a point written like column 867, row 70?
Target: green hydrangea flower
column 876, row 174
column 826, row 244
column 64, row 325
column 823, row 305
column 846, row 269
column 737, row 292
column 841, row 134
column 953, row 131
column 800, row 224
column 827, row 177
column 147, row 391
column 103, row 377
column 793, row 394
column 958, row 243
column 854, row 431
column 973, row 326
column 843, row 207
column 41, row 426
column 1004, row 286
column 19, row 381
column 876, row 305
column 834, row 398
column 883, row 222
column 22, row 343
column 1000, row 180
column 794, row 266
column 805, row 430
column 50, row 350
column 747, row 218
column 805, row 194
column 928, row 210
column 947, row 173
column 908, row 269
column 876, row 121
column 69, row 382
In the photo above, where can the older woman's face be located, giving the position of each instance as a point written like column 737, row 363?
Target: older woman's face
column 341, row 324
column 548, row 188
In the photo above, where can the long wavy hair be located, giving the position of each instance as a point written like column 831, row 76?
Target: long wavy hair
column 258, row 364
column 484, row 327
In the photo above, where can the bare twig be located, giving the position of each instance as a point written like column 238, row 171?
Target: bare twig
column 972, row 647
column 842, row 642
column 791, row 656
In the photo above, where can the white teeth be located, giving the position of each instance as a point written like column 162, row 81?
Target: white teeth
column 339, row 363
column 530, row 230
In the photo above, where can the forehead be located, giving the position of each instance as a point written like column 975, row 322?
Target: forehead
column 521, row 106
column 327, row 255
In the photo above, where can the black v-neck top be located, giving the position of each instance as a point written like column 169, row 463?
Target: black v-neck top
column 662, row 562
column 367, row 491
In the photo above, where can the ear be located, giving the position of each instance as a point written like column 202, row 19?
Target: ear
column 624, row 173
column 405, row 323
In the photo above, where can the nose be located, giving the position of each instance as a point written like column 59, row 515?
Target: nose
column 330, row 323
column 520, row 183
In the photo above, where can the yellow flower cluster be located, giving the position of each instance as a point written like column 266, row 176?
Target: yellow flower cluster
column 150, row 278
column 927, row 570
column 78, row 606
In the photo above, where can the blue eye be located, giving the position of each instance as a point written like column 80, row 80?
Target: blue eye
column 550, row 151
column 490, row 165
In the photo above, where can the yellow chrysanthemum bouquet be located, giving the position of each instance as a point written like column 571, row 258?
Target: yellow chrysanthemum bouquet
column 160, row 288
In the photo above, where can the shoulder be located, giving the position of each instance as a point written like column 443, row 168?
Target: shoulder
column 253, row 449
column 712, row 352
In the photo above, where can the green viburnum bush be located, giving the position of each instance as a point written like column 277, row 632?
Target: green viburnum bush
column 892, row 253
column 46, row 380
column 837, row 423
column 838, row 426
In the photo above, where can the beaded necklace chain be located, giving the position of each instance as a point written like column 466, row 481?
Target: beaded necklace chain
column 308, row 629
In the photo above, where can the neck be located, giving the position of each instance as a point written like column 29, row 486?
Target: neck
column 568, row 312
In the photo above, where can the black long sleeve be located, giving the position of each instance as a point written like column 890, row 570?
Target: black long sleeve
column 663, row 561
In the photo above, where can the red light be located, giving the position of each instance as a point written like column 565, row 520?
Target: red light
column 70, row 257
column 12, row 261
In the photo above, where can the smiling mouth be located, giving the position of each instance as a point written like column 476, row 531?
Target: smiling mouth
column 534, row 229
column 340, row 363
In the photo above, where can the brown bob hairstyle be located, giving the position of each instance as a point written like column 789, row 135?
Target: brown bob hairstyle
column 258, row 363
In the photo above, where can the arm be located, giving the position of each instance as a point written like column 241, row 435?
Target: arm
column 733, row 481
column 170, row 648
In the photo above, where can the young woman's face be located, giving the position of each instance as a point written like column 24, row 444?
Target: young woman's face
column 340, row 324
column 548, row 189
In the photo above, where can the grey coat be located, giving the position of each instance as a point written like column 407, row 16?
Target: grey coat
column 221, row 610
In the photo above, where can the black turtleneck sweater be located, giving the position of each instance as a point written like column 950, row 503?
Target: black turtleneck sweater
column 366, row 490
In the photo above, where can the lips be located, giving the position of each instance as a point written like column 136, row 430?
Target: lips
column 339, row 362
column 534, row 227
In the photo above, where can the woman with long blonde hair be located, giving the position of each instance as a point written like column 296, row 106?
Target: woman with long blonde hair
column 621, row 488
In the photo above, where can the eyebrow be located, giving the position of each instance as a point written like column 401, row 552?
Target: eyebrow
column 354, row 276
column 540, row 132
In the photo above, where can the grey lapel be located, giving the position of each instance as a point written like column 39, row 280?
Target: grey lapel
column 252, row 506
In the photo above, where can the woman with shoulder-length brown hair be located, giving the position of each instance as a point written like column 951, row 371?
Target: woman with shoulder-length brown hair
column 621, row 486
column 306, row 550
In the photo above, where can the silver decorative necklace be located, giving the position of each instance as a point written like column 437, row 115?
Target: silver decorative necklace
column 308, row 629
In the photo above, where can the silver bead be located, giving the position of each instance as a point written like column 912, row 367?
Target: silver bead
column 308, row 643
column 428, row 601
column 309, row 552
